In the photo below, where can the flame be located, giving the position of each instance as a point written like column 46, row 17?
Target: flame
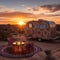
column 22, row 42
column 18, row 43
column 14, row 43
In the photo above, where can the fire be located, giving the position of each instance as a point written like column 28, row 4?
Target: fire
column 18, row 43
column 14, row 43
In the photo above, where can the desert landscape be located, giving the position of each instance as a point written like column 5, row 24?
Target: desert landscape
column 29, row 29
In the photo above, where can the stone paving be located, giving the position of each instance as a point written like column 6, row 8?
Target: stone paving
column 54, row 47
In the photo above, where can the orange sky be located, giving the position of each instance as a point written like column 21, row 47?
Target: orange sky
column 46, row 12
column 14, row 18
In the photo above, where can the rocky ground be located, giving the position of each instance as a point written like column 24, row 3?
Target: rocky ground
column 54, row 47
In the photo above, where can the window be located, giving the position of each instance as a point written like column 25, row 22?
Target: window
column 52, row 24
column 30, row 25
column 36, row 26
column 43, row 26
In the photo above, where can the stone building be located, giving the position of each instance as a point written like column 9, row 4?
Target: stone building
column 40, row 29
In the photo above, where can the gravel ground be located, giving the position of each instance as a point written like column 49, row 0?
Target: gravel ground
column 54, row 47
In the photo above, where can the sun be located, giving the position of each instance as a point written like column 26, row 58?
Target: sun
column 21, row 23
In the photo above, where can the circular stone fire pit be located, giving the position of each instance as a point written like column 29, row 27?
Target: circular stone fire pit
column 19, row 50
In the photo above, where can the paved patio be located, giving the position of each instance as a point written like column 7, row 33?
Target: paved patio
column 54, row 47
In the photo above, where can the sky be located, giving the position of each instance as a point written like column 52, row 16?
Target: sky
column 13, row 11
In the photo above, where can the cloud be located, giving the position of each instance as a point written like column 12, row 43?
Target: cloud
column 17, row 14
column 15, row 17
column 11, row 12
column 8, row 22
column 6, row 9
column 33, row 9
column 22, row 5
column 51, row 8
column 46, row 9
column 10, row 15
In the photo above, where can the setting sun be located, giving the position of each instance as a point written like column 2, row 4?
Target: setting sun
column 21, row 23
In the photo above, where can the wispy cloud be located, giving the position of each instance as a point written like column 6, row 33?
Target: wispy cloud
column 46, row 10
column 6, row 9
column 22, row 5
column 10, row 15
column 51, row 8
column 17, row 14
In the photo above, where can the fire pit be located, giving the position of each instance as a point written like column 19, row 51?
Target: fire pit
column 19, row 49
